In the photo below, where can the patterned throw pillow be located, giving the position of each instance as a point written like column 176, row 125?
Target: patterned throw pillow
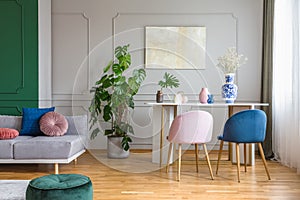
column 53, row 124
column 30, row 120
column 8, row 133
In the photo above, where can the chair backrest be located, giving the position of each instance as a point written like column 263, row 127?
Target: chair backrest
column 248, row 126
column 191, row 127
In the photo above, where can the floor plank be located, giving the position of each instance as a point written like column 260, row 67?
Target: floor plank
column 132, row 183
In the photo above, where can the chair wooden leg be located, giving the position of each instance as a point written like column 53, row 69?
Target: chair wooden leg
column 263, row 159
column 197, row 157
column 208, row 162
column 245, row 156
column 219, row 155
column 169, row 156
column 179, row 162
column 238, row 160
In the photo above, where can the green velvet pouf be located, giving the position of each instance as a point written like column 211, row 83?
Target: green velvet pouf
column 60, row 187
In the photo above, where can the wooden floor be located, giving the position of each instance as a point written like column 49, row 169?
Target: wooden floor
column 113, row 184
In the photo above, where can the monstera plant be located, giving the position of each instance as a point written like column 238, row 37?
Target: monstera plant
column 113, row 97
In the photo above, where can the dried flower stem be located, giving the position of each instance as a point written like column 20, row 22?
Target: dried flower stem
column 231, row 60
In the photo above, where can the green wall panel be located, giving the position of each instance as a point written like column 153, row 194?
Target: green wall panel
column 18, row 55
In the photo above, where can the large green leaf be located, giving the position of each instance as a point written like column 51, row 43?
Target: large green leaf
column 131, row 103
column 107, row 83
column 134, row 86
column 121, row 50
column 127, row 59
column 108, row 66
column 140, row 75
column 103, row 78
column 117, row 69
column 97, row 103
column 118, row 51
column 115, row 101
column 104, row 95
column 169, row 81
column 107, row 114
column 120, row 80
column 125, row 142
column 121, row 89
column 94, row 133
column 124, row 61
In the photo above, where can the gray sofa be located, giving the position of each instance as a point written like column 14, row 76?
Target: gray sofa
column 44, row 149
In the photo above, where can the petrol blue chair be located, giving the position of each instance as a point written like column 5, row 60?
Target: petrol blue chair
column 248, row 126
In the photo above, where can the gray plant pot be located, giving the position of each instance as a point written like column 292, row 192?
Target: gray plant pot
column 114, row 148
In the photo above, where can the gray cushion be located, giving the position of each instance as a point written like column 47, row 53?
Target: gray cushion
column 6, row 146
column 8, row 121
column 77, row 125
column 45, row 147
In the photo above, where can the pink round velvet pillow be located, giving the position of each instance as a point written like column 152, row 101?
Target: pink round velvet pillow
column 8, row 133
column 53, row 124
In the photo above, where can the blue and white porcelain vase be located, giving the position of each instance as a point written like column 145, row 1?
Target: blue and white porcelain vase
column 229, row 89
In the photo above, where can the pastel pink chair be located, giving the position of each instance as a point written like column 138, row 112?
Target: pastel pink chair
column 193, row 127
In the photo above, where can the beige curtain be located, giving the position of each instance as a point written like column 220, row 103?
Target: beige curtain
column 267, row 71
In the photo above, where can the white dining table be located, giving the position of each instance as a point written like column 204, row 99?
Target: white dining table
column 159, row 118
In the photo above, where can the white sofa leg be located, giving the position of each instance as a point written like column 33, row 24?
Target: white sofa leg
column 56, row 168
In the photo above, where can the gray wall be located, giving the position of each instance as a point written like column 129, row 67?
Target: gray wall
column 82, row 45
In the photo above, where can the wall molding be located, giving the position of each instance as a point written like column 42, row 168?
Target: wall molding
column 17, row 108
column 229, row 24
column 21, row 86
column 118, row 15
column 84, row 16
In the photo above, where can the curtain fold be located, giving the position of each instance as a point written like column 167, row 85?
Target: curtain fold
column 267, row 72
column 286, row 86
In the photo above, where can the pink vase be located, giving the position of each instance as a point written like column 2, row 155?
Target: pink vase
column 203, row 96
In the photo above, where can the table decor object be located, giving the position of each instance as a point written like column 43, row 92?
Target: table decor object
column 210, row 99
column 203, row 96
column 229, row 63
column 180, row 98
column 169, row 81
column 229, row 89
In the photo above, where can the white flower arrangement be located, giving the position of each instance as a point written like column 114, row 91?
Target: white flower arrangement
column 231, row 60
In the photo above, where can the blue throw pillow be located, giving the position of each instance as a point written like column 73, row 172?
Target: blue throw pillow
column 30, row 120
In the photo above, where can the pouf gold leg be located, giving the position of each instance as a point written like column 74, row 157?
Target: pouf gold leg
column 56, row 168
